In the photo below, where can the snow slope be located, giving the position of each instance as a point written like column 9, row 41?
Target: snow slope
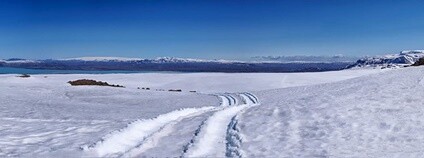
column 380, row 115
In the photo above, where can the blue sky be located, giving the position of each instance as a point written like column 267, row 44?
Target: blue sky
column 207, row 29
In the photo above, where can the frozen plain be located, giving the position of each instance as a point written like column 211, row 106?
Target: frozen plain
column 358, row 113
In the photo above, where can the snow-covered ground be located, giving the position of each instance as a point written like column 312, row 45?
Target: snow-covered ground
column 380, row 115
column 200, row 82
column 359, row 113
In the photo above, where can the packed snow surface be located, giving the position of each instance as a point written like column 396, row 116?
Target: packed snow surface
column 349, row 113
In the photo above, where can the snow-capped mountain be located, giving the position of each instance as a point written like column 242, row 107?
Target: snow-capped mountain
column 306, row 59
column 172, row 64
column 185, row 60
column 407, row 57
column 122, row 59
column 17, row 60
column 156, row 60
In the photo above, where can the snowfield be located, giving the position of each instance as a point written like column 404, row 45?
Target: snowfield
column 349, row 113
column 380, row 115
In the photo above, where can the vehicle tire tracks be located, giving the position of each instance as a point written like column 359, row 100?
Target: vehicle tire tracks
column 219, row 135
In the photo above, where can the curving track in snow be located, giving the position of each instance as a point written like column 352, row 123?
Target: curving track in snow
column 119, row 142
column 210, row 138
column 218, row 136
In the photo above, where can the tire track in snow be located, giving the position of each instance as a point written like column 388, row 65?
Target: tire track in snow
column 119, row 142
column 234, row 100
column 152, row 141
column 234, row 139
column 155, row 138
column 211, row 138
column 255, row 99
column 195, row 135
column 141, row 135
column 227, row 100
column 224, row 97
column 217, row 133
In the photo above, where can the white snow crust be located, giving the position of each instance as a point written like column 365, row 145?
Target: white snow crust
column 349, row 113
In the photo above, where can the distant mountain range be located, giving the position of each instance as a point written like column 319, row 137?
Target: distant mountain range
column 258, row 64
column 171, row 64
column 306, row 59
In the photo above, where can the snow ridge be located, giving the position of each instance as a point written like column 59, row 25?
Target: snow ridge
column 117, row 143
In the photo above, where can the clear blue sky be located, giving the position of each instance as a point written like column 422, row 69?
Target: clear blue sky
column 208, row 29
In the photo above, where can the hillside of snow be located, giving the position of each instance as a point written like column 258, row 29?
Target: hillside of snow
column 349, row 113
column 380, row 115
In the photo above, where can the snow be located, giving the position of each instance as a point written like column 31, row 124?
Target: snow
column 19, row 61
column 212, row 136
column 172, row 140
column 349, row 113
column 40, row 115
column 119, row 142
column 211, row 141
column 372, row 116
column 391, row 60
column 405, row 52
